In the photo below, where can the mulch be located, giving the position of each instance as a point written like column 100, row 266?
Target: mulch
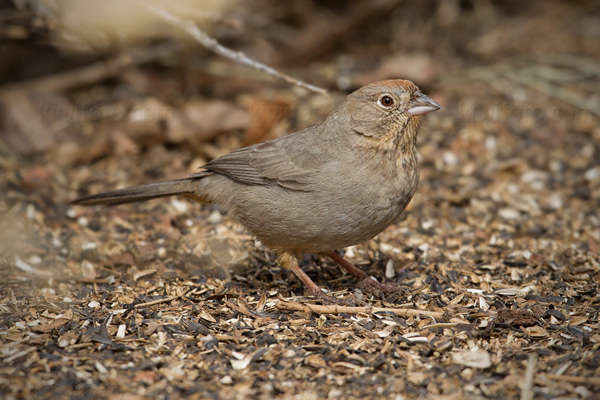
column 497, row 261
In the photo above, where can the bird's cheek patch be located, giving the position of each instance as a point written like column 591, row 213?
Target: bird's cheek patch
column 368, row 121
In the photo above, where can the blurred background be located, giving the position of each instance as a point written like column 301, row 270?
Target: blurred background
column 504, row 229
column 98, row 95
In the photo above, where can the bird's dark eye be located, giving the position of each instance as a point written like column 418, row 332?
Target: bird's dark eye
column 386, row 101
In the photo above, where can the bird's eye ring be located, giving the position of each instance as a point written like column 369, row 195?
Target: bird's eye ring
column 386, row 101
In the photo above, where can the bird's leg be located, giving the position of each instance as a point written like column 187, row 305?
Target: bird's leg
column 289, row 261
column 364, row 281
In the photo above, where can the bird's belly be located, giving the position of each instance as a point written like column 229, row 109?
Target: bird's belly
column 316, row 222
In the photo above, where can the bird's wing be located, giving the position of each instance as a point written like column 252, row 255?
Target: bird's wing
column 274, row 162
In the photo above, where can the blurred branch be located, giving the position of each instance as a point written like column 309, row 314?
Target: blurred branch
column 569, row 79
column 556, row 90
column 91, row 73
column 285, row 304
column 216, row 47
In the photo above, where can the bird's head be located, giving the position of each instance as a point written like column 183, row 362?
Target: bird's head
column 388, row 111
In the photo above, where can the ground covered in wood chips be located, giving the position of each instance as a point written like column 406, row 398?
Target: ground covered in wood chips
column 496, row 258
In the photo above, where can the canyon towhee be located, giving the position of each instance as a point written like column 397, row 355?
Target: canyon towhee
column 330, row 186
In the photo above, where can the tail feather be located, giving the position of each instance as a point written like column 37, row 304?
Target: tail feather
column 137, row 193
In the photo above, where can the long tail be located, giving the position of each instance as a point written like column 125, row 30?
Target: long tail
column 138, row 193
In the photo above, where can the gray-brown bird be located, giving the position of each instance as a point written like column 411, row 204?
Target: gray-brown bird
column 326, row 187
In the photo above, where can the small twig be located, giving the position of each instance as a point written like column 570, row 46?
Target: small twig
column 81, row 345
column 578, row 380
column 159, row 301
column 218, row 48
column 527, row 390
column 336, row 309
column 10, row 359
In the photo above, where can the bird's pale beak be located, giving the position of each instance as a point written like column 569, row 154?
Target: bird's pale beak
column 421, row 104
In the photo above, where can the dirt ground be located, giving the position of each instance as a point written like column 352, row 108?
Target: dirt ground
column 497, row 256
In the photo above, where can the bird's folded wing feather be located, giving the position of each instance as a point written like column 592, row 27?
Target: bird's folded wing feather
column 273, row 162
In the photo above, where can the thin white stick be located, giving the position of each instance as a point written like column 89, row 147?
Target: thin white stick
column 215, row 46
column 527, row 390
